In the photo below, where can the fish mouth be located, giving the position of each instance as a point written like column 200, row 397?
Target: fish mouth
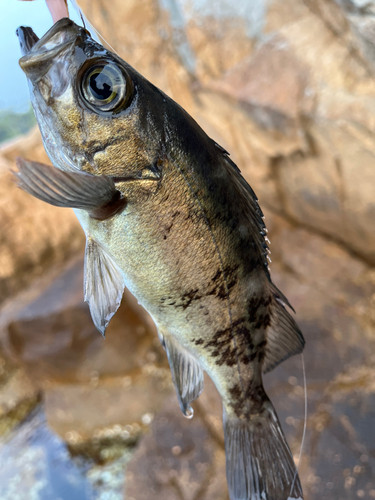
column 27, row 39
column 38, row 54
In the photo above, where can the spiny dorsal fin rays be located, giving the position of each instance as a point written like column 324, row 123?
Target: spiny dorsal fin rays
column 284, row 338
column 254, row 213
column 103, row 285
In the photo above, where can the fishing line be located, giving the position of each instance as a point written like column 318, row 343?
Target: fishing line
column 104, row 40
column 304, row 424
column 83, row 18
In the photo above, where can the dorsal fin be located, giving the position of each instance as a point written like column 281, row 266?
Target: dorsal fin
column 103, row 284
column 254, row 214
column 284, row 338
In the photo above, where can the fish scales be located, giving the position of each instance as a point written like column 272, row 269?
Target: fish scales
column 167, row 214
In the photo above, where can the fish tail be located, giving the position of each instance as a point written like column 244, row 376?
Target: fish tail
column 259, row 463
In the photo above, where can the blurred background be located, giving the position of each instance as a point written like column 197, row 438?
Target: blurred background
column 288, row 88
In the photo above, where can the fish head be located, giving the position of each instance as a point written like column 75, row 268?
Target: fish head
column 94, row 111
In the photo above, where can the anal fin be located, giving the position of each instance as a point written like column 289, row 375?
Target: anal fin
column 95, row 193
column 284, row 338
column 103, row 285
column 187, row 375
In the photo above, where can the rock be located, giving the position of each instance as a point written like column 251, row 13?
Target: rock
column 178, row 459
column 101, row 401
column 34, row 235
column 272, row 85
column 287, row 88
column 328, row 194
column 55, row 339
column 32, row 461
column 18, row 395
column 333, row 295
column 97, row 397
column 110, row 411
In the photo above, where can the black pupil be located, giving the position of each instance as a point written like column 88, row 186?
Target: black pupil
column 101, row 86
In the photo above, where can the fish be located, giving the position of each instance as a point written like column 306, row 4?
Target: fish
column 167, row 214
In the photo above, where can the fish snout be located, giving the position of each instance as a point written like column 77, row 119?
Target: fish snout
column 27, row 38
column 39, row 54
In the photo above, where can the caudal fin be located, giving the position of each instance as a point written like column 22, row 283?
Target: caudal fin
column 259, row 462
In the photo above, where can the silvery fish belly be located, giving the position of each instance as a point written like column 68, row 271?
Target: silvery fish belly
column 167, row 214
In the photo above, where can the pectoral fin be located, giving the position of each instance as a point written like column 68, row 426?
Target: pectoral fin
column 103, row 285
column 187, row 375
column 96, row 194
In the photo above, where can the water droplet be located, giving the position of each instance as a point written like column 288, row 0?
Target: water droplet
column 189, row 412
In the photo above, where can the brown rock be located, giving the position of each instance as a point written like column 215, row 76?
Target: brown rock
column 297, row 111
column 98, row 394
column 177, row 459
column 305, row 142
column 272, row 86
column 55, row 339
column 34, row 235
column 333, row 295
column 216, row 53
column 18, row 395
column 81, row 413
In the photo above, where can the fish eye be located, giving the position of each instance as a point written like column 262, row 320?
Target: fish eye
column 105, row 87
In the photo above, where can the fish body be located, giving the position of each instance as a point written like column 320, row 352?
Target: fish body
column 167, row 214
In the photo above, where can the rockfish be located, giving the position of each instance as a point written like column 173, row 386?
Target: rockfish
column 167, row 214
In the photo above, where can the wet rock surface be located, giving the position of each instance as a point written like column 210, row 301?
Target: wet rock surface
column 33, row 236
column 288, row 88
column 106, row 400
column 36, row 464
column 179, row 458
column 18, row 395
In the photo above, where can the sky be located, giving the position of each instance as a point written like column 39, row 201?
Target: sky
column 14, row 93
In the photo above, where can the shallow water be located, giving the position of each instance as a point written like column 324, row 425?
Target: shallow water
column 36, row 465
